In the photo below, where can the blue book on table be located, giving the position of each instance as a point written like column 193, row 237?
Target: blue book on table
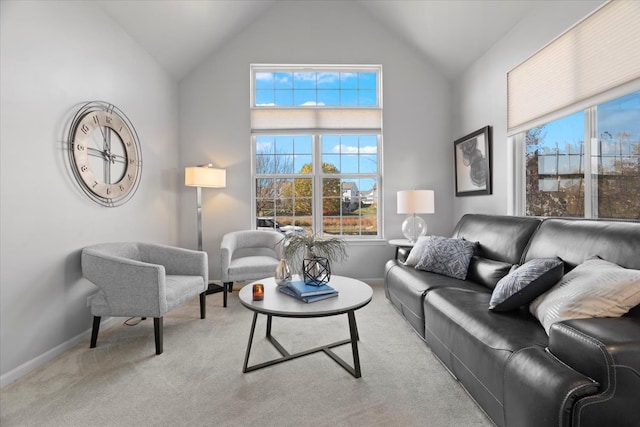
column 288, row 291
column 304, row 290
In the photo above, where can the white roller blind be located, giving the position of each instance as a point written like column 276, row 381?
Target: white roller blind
column 598, row 54
column 369, row 119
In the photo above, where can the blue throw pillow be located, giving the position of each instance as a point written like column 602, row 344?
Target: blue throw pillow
column 447, row 256
column 526, row 283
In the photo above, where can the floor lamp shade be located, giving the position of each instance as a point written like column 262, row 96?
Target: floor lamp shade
column 415, row 202
column 205, row 176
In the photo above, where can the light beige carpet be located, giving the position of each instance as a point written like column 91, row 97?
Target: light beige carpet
column 198, row 380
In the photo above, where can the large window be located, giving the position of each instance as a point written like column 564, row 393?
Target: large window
column 564, row 176
column 316, row 144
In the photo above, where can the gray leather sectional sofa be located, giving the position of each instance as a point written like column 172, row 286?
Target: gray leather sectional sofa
column 586, row 372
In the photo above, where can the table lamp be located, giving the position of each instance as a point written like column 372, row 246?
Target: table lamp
column 414, row 202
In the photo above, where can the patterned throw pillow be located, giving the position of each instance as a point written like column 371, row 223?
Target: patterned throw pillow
column 416, row 251
column 595, row 288
column 447, row 256
column 526, row 283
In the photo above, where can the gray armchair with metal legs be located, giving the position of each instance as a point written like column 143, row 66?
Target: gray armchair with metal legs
column 143, row 280
column 249, row 255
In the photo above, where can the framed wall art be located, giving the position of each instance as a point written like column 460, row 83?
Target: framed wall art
column 472, row 154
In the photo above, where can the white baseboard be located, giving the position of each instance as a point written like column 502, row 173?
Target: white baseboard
column 22, row 370
column 373, row 282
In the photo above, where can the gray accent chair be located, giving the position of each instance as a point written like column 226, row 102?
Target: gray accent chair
column 143, row 280
column 249, row 255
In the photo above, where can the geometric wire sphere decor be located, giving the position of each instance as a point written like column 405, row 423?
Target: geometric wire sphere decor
column 316, row 271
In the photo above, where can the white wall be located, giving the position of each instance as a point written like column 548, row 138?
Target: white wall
column 54, row 56
column 214, row 119
column 480, row 94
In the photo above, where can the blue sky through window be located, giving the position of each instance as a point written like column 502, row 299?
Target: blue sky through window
column 331, row 89
column 618, row 130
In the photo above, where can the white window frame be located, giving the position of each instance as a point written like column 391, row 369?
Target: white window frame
column 317, row 121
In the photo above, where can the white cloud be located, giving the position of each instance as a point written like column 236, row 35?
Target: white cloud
column 264, row 147
column 350, row 149
column 328, row 77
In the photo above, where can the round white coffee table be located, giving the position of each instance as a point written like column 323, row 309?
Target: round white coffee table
column 353, row 294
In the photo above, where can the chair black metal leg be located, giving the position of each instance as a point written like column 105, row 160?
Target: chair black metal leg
column 227, row 287
column 157, row 330
column 203, row 305
column 94, row 331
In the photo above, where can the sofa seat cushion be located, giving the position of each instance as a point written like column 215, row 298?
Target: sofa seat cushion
column 466, row 309
column 406, row 286
column 476, row 343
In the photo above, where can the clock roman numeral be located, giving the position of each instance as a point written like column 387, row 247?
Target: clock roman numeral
column 96, row 119
column 85, row 129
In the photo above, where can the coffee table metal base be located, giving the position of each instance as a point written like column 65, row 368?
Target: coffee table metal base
column 353, row 331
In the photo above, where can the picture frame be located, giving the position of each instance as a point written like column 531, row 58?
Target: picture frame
column 472, row 156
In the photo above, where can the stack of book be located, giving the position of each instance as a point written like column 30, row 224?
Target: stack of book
column 308, row 293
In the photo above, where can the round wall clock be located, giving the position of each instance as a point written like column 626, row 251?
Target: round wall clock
column 104, row 153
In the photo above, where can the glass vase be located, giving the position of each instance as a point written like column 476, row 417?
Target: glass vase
column 283, row 273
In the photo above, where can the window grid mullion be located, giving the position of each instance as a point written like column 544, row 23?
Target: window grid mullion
column 590, row 175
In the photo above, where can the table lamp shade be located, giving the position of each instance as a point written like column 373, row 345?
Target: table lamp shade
column 205, row 176
column 416, row 202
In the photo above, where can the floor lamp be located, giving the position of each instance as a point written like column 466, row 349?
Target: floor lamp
column 209, row 177
column 414, row 202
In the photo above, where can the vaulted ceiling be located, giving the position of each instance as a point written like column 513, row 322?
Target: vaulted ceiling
column 180, row 34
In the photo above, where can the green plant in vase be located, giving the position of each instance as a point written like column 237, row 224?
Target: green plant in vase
column 313, row 254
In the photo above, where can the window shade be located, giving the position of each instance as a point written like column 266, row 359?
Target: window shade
column 598, row 54
column 369, row 119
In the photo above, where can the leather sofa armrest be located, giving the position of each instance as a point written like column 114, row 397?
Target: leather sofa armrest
column 595, row 346
column 539, row 390
column 607, row 350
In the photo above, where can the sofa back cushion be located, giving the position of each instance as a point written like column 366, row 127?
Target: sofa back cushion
column 499, row 238
column 487, row 272
column 575, row 240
